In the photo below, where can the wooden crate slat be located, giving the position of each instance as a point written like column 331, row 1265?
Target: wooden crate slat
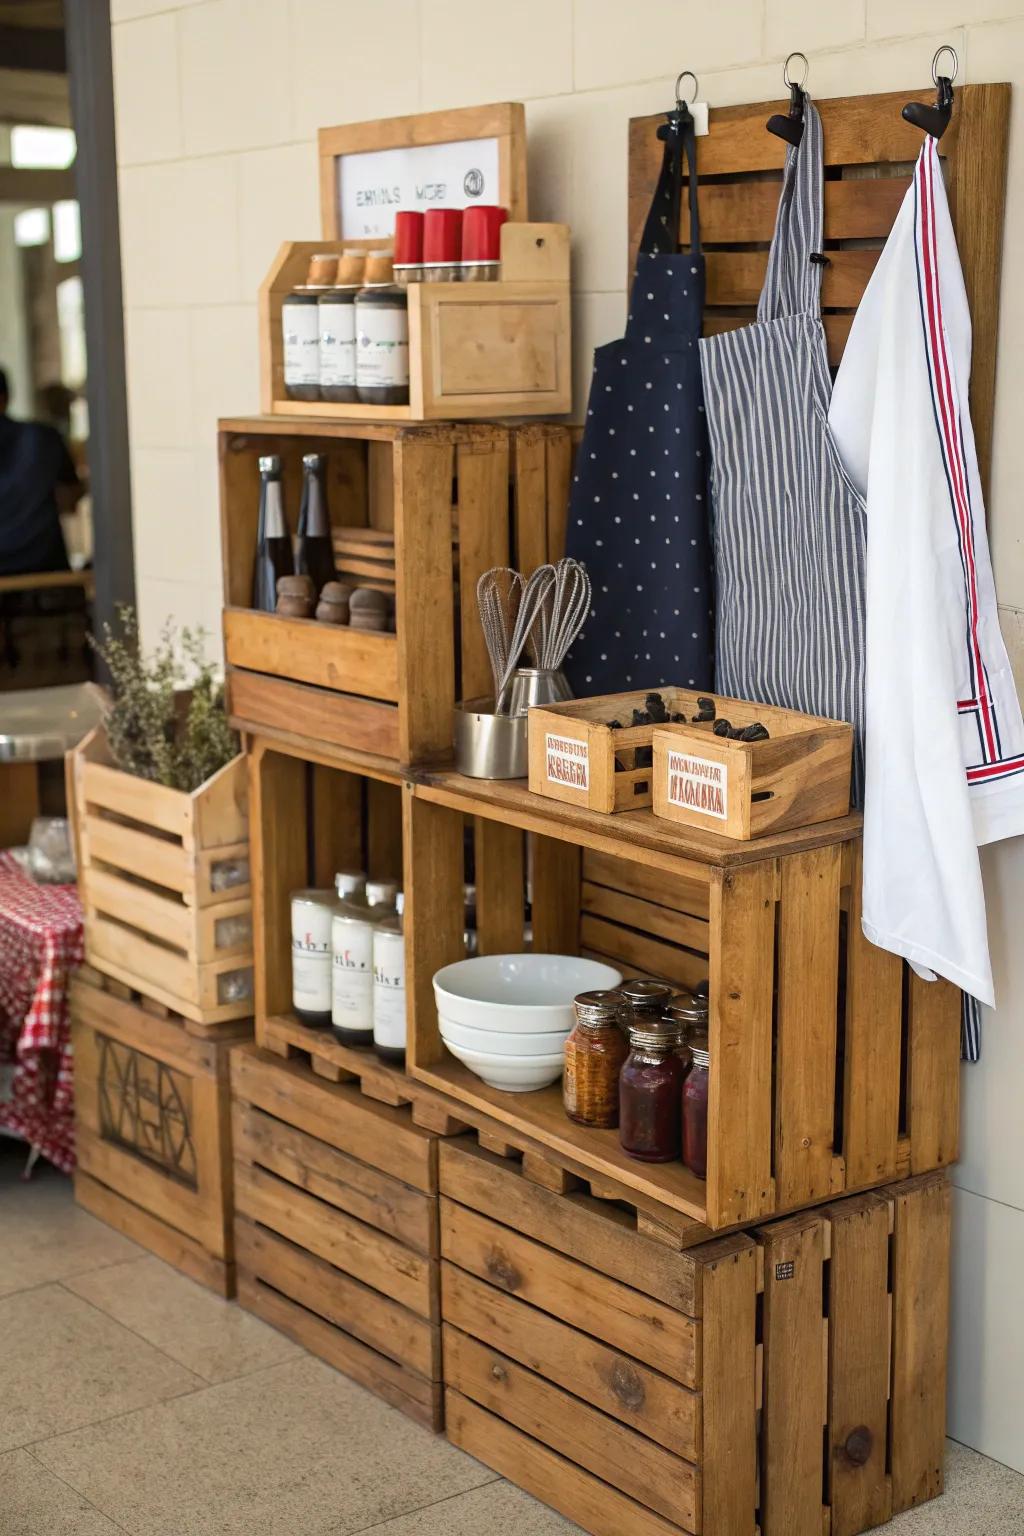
column 360, row 1310
column 126, row 953
column 639, row 956
column 794, row 1378
column 665, row 1412
column 739, row 1182
column 729, row 1397
column 920, row 1289
column 805, row 1063
column 744, row 212
column 164, row 862
column 860, row 1494
column 499, row 863
column 326, row 655
column 129, row 902
column 613, row 1452
column 626, row 1318
column 647, row 916
column 140, row 799
column 737, row 277
column 872, row 1049
column 681, row 894
column 425, row 630
column 933, row 1075
column 274, row 705
column 483, row 543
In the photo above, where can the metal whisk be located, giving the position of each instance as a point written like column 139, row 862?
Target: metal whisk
column 536, row 594
column 560, row 621
column 499, row 594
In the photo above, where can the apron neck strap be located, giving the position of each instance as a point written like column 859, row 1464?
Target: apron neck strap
column 661, row 230
column 792, row 283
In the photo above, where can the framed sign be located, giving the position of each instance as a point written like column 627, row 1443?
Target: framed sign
column 433, row 159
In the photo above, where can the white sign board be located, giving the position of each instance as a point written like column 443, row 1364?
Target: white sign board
column 699, row 784
column 374, row 185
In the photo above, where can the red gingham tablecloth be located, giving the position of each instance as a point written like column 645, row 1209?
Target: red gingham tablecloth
column 40, row 944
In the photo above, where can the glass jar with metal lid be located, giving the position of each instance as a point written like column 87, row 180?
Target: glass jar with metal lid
column 353, row 921
column 650, row 1092
column 695, row 1106
column 689, row 1012
column 647, row 999
column 594, row 1053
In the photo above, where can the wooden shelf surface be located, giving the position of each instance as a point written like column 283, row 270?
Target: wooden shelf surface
column 349, row 421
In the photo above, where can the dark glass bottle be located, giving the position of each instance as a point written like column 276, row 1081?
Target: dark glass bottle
column 273, row 544
column 650, row 1093
column 314, row 547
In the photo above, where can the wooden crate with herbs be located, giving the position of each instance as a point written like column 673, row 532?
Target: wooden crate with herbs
column 164, row 881
column 593, row 752
column 644, row 1393
column 336, row 1228
column 153, row 1126
column 832, row 1066
column 429, row 508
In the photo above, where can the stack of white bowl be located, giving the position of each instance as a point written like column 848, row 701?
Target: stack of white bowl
column 506, row 1017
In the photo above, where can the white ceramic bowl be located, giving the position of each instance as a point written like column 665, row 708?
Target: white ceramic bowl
column 513, row 1074
column 493, row 1042
column 518, row 994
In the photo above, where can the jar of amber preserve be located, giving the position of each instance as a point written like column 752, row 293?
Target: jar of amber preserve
column 695, row 1107
column 594, row 1053
column 650, row 1093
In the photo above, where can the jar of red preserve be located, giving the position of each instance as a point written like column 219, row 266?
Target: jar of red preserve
column 650, row 1093
column 695, row 1107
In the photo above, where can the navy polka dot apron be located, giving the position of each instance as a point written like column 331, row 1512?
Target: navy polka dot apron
column 638, row 513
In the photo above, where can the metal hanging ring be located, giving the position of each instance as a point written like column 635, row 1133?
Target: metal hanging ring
column 803, row 78
column 946, row 48
column 687, row 74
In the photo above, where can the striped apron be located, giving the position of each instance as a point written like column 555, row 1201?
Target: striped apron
column 788, row 524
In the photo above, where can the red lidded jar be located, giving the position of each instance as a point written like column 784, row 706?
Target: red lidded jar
column 695, row 1107
column 442, row 243
column 481, row 242
column 408, row 259
column 650, row 1096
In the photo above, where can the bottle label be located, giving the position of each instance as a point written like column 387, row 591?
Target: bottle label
column 389, row 990
column 300, row 326
column 311, row 958
column 337, row 344
column 382, row 346
column 698, row 784
column 352, row 975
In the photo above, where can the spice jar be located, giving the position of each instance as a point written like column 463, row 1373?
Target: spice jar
column 481, row 243
column 650, row 1098
column 354, row 918
column 408, row 247
column 689, row 1013
column 382, row 336
column 311, row 956
column 646, row 999
column 695, row 1107
column 442, row 242
column 389, row 987
column 594, row 1054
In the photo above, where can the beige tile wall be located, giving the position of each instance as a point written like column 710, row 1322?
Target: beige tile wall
column 218, row 102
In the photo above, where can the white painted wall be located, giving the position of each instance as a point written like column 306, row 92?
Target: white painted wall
column 218, row 103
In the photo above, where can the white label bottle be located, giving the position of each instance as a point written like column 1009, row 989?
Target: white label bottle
column 389, row 988
column 353, row 923
column 311, row 956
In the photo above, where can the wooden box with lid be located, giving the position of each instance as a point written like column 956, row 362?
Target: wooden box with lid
column 418, row 513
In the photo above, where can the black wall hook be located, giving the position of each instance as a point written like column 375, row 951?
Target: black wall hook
column 935, row 120
column 791, row 127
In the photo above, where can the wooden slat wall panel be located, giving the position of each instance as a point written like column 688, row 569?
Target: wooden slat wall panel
column 743, row 212
column 737, row 277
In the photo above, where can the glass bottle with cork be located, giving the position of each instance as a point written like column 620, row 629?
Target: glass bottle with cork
column 274, row 557
column 336, row 322
column 594, row 1055
column 300, row 328
column 314, row 545
column 382, row 335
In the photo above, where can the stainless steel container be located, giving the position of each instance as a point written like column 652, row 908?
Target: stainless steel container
column 536, row 686
column 489, row 746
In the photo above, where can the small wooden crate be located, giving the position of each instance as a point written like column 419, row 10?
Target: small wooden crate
column 800, row 775
column 158, row 915
column 153, row 1127
column 644, row 1393
column 476, row 350
column 833, row 1067
column 390, row 694
column 336, row 1228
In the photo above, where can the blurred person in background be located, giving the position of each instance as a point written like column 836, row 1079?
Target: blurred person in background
column 38, row 481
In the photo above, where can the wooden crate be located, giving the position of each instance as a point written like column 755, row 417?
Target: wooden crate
column 336, row 1227
column 476, row 350
column 833, row 1067
column 387, row 694
column 153, row 1126
column 148, row 863
column 578, row 758
column 644, row 1393
column 869, row 154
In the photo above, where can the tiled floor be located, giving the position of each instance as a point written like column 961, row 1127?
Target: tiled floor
column 133, row 1401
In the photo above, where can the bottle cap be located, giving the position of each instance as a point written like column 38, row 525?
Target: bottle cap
column 351, row 267
column 270, row 464
column 442, row 236
column 688, row 1009
column 381, row 892
column 653, row 1032
column 400, row 903
column 350, row 882
column 698, row 1043
column 323, row 270
column 600, row 1007
column 408, row 238
column 379, row 269
column 645, row 996
column 481, row 232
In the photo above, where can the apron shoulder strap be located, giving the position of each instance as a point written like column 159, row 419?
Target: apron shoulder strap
column 661, row 229
column 792, row 283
